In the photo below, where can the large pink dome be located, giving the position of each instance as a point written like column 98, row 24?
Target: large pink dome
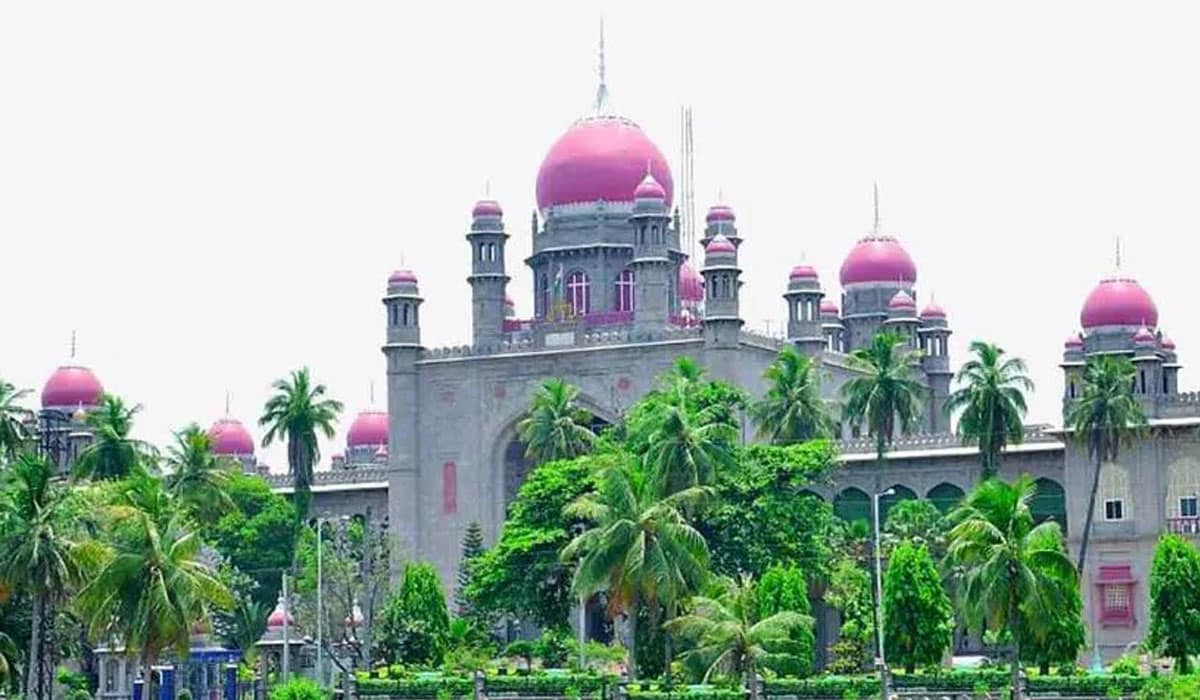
column 71, row 386
column 1118, row 301
column 878, row 259
column 230, row 438
column 691, row 284
column 600, row 158
column 368, row 428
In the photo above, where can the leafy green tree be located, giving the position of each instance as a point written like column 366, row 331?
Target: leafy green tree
column 918, row 522
column 415, row 624
column 1009, row 568
column 472, row 547
column 784, row 589
column 849, row 592
column 197, row 478
column 521, row 575
column 640, row 549
column 243, row 623
column 884, row 394
column 1062, row 635
column 154, row 585
column 1104, row 417
column 13, row 417
column 990, row 401
column 297, row 412
column 113, row 453
column 9, row 659
column 44, row 554
column 918, row 619
column 683, row 389
column 729, row 639
column 556, row 427
column 792, row 410
column 1175, row 600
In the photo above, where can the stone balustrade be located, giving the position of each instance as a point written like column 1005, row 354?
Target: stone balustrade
column 926, row 441
column 354, row 475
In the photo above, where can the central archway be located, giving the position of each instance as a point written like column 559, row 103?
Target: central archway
column 517, row 465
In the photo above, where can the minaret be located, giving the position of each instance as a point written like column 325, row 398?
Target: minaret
column 488, row 279
column 803, row 298
column 722, row 316
column 902, row 318
column 934, row 335
column 1147, row 383
column 831, row 326
column 403, row 348
column 651, row 265
column 720, row 220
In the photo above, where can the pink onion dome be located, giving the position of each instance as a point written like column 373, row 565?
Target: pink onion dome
column 277, row 617
column 1167, row 343
column 829, row 307
column 71, row 386
column 487, row 207
column 802, row 272
column 902, row 301
column 1118, row 301
column 1073, row 342
column 720, row 244
column 932, row 310
column 600, row 158
column 649, row 188
column 1144, row 337
column 878, row 259
column 691, row 284
column 230, row 438
column 402, row 277
column 719, row 212
column 369, row 428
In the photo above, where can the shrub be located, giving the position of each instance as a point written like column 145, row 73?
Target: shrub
column 183, row 694
column 1127, row 665
column 79, row 694
column 554, row 648
column 298, row 689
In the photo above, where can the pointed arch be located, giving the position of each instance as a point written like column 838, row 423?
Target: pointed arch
column 899, row 493
column 1049, row 502
column 945, row 496
column 1183, row 488
column 852, row 504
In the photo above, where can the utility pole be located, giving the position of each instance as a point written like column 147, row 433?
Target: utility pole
column 287, row 615
column 320, row 606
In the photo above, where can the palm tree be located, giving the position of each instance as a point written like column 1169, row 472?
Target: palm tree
column 991, row 399
column 13, row 430
column 112, row 453
column 556, row 427
column 41, row 554
column 296, row 413
column 884, row 395
column 8, row 662
column 688, row 448
column 197, row 477
column 730, row 639
column 640, row 550
column 153, row 586
column 1104, row 417
column 792, row 409
column 1004, row 563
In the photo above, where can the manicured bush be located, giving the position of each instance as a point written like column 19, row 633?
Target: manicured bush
column 457, row 686
column 951, row 681
column 298, row 689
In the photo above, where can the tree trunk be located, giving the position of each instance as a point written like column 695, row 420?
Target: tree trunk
column 32, row 677
column 666, row 645
column 633, row 613
column 148, row 675
column 1014, row 626
column 1091, row 512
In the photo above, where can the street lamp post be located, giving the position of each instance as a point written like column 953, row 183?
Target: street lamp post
column 882, row 660
column 320, row 609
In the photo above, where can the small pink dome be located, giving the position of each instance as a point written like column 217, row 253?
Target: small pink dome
column 878, row 259
column 230, row 438
column 368, row 428
column 1167, row 343
column 802, row 272
column 829, row 307
column 276, row 619
column 508, row 301
column 382, row 451
column 901, row 300
column 402, row 277
column 691, row 284
column 599, row 158
column 720, row 244
column 487, row 207
column 932, row 310
column 1073, row 341
column 1144, row 337
column 1118, row 301
column 720, row 212
column 649, row 188
column 72, row 386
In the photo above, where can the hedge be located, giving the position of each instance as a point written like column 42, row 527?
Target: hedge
column 709, row 694
column 960, row 681
column 460, row 686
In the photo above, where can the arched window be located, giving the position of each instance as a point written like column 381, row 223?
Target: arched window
column 624, row 295
column 577, row 292
column 1049, row 502
column 1183, row 495
column 712, row 283
column 1114, row 493
column 543, row 292
column 852, row 504
column 899, row 493
column 404, row 308
column 945, row 497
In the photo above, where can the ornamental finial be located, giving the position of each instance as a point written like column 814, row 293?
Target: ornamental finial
column 602, row 90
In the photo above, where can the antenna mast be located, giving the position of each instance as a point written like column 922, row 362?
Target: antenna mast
column 602, row 90
column 687, row 193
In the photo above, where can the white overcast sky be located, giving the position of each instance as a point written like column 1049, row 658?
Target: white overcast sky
column 213, row 193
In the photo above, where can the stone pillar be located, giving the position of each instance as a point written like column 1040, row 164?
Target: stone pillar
column 488, row 279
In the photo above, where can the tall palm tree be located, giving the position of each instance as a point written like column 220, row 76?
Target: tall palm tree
column 113, row 453
column 1004, row 563
column 42, row 554
column 991, row 398
column 1104, row 417
column 153, row 586
column 728, row 636
column 688, row 447
column 556, row 427
column 792, row 409
column 884, row 394
column 296, row 413
column 13, row 416
column 197, row 477
column 640, row 549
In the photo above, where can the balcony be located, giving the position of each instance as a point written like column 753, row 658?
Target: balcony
column 1184, row 525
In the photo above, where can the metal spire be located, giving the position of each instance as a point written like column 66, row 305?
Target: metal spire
column 602, row 90
column 372, row 392
column 72, row 344
column 875, row 194
column 1118, row 258
column 226, row 403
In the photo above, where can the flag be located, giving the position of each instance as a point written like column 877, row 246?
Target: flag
column 558, row 282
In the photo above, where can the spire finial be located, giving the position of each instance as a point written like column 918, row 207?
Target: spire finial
column 372, row 392
column 875, row 198
column 72, row 344
column 720, row 195
column 602, row 90
column 487, row 187
column 1118, row 258
column 226, row 403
